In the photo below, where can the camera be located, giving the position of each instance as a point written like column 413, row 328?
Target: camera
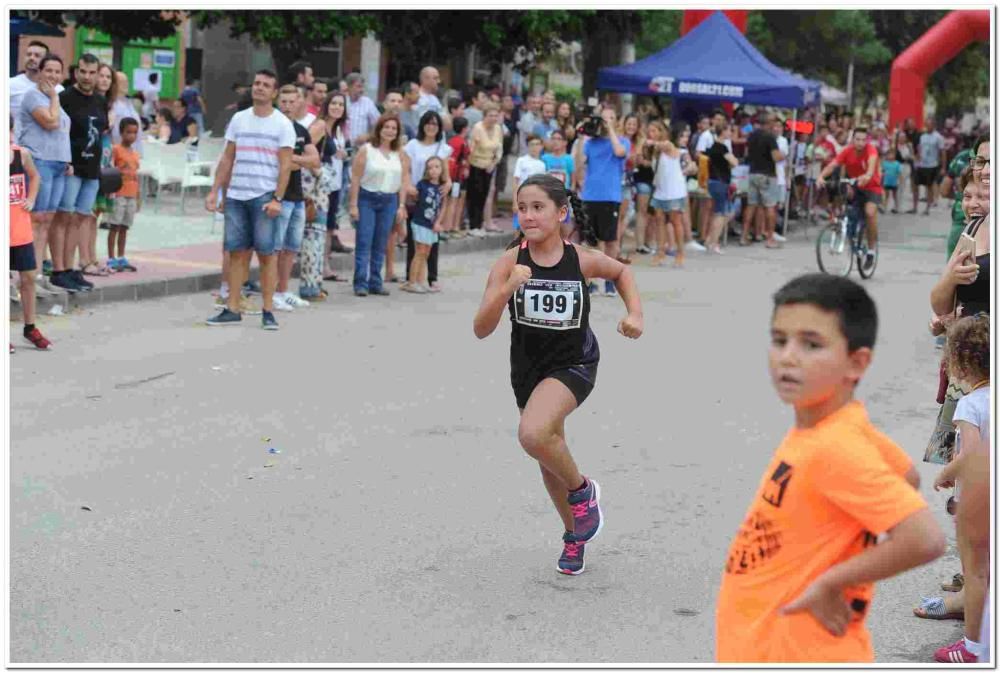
column 593, row 124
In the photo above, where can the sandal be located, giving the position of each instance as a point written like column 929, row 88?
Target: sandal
column 956, row 584
column 934, row 608
column 99, row 270
column 335, row 278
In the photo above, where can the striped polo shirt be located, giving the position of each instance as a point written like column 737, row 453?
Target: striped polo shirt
column 257, row 140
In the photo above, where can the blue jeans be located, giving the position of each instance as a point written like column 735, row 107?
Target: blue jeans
column 248, row 227
column 51, row 185
column 80, row 195
column 291, row 225
column 377, row 215
column 199, row 117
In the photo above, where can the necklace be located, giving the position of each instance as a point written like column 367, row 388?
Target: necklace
column 979, row 385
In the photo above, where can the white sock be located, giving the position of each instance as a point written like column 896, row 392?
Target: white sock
column 975, row 648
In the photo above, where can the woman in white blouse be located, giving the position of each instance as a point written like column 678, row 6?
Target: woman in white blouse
column 380, row 179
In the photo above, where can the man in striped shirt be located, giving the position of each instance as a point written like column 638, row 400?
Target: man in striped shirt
column 362, row 113
column 253, row 174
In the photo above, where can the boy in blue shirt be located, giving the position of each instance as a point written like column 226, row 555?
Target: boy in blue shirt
column 557, row 162
column 890, row 179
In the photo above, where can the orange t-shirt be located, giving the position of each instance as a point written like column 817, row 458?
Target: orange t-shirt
column 20, row 220
column 126, row 160
column 827, row 494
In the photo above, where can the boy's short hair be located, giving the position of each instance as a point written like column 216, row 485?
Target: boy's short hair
column 531, row 138
column 852, row 304
column 458, row 124
column 125, row 123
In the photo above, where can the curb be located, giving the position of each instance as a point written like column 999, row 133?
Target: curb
column 206, row 282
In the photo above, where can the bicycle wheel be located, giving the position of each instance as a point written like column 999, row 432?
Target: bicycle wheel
column 867, row 271
column 834, row 252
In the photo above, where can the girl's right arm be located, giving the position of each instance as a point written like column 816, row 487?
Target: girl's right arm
column 499, row 288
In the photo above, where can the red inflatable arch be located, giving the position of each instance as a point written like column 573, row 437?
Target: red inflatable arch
column 692, row 17
column 936, row 47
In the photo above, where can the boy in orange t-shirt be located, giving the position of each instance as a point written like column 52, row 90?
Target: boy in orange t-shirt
column 799, row 575
column 126, row 203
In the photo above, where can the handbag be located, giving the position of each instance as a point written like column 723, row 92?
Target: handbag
column 110, row 181
column 316, row 187
column 941, row 447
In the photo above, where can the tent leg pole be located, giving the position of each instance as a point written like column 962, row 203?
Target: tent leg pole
column 789, row 169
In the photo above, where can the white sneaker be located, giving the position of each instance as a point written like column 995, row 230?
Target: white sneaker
column 779, row 238
column 295, row 300
column 694, row 246
column 280, row 304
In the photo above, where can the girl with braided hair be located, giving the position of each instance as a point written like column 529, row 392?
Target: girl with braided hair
column 541, row 280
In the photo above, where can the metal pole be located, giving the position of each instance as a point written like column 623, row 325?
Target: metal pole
column 789, row 167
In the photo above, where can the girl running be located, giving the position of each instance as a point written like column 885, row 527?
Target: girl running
column 425, row 224
column 669, row 195
column 553, row 352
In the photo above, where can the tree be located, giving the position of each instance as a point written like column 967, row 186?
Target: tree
column 660, row 29
column 423, row 37
column 290, row 34
column 123, row 26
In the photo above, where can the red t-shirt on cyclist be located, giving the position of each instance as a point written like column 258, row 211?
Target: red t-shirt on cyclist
column 856, row 165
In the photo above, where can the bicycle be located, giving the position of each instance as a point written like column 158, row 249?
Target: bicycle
column 843, row 240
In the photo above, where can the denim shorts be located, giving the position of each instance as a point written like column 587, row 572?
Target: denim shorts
column 719, row 191
column 80, row 195
column 52, row 179
column 668, row 205
column 424, row 235
column 643, row 188
column 248, row 227
column 291, row 225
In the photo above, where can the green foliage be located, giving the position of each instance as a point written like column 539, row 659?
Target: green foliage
column 659, row 29
column 124, row 25
column 818, row 44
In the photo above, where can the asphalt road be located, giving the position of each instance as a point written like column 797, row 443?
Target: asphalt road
column 401, row 522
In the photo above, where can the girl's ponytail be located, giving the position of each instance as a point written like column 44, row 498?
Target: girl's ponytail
column 580, row 218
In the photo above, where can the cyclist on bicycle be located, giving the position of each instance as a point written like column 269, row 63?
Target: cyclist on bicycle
column 861, row 162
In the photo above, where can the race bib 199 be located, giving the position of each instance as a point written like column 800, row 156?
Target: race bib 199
column 550, row 304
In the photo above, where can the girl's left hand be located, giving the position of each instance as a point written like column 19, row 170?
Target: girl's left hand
column 29, row 205
column 631, row 326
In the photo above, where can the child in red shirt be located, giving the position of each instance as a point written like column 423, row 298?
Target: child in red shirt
column 24, row 183
column 458, row 168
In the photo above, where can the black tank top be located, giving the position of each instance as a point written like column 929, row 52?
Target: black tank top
column 975, row 298
column 550, row 318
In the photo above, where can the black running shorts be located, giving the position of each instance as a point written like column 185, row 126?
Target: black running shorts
column 580, row 380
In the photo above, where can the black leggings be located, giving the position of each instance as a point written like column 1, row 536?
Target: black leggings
column 478, row 186
column 411, row 250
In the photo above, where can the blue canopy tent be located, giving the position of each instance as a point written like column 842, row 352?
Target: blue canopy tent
column 714, row 62
column 19, row 27
column 711, row 64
